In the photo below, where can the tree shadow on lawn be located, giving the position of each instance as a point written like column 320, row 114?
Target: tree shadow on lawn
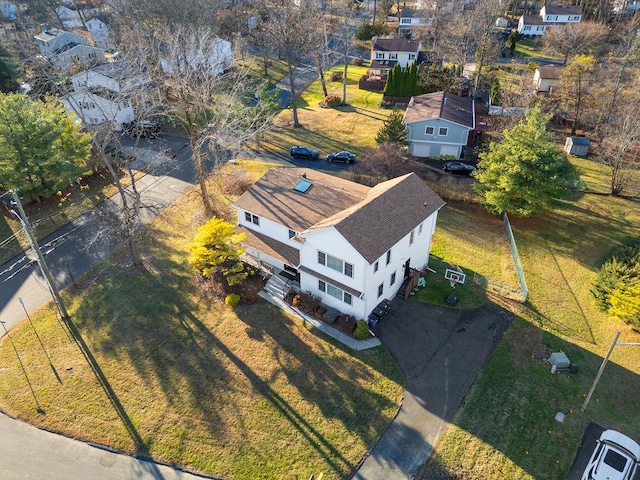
column 337, row 388
column 512, row 405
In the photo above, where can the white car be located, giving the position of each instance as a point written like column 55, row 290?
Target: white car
column 616, row 457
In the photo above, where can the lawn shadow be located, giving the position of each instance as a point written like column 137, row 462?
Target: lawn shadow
column 513, row 405
column 317, row 370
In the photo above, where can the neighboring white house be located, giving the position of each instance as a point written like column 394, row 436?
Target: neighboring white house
column 53, row 42
column 387, row 52
column 439, row 124
column 347, row 243
column 79, row 54
column 106, row 93
column 412, row 21
column 546, row 77
column 218, row 59
column 8, row 9
column 535, row 25
column 99, row 33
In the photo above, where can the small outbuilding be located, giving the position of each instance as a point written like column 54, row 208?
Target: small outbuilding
column 577, row 146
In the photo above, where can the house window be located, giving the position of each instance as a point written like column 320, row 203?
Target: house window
column 412, row 56
column 335, row 264
column 291, row 233
column 249, row 217
column 379, row 56
column 429, row 130
column 420, row 228
column 335, row 292
column 393, row 56
column 375, row 267
column 527, row 27
column 411, row 237
column 388, row 257
column 393, row 278
column 405, row 20
column 380, row 289
column 442, row 131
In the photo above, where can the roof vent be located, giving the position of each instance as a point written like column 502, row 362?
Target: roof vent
column 304, row 174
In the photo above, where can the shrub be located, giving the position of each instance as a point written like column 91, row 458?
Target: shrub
column 617, row 285
column 369, row 30
column 232, row 299
column 362, row 330
column 532, row 65
column 335, row 76
column 306, row 302
column 332, row 101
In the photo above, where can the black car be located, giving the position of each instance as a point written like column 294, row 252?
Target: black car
column 346, row 157
column 458, row 167
column 304, row 152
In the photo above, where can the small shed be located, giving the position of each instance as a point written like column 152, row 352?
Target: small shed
column 578, row 146
column 546, row 77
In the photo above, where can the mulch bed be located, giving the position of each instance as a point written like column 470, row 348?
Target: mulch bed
column 345, row 324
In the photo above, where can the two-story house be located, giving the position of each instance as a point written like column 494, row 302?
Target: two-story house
column 64, row 49
column 536, row 25
column 439, row 123
column 413, row 22
column 347, row 243
column 108, row 93
column 387, row 52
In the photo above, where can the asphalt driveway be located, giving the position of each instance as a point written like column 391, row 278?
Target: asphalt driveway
column 441, row 351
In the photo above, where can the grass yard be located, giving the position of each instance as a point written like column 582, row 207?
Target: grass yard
column 530, row 47
column 245, row 393
column 352, row 127
column 506, row 429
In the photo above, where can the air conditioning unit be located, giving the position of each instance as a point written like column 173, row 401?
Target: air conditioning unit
column 560, row 361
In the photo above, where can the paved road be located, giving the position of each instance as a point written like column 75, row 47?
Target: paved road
column 30, row 453
column 441, row 351
column 77, row 246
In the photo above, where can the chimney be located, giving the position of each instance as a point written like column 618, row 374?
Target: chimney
column 304, row 175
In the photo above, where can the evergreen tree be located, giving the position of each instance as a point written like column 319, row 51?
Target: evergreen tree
column 393, row 130
column 526, row 171
column 8, row 71
column 495, row 92
column 42, row 149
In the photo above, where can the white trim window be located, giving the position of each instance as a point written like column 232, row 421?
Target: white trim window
column 393, row 278
column 393, row 56
column 429, row 130
column 335, row 264
column 388, row 257
column 379, row 55
column 380, row 290
column 443, row 131
column 336, row 292
column 251, row 218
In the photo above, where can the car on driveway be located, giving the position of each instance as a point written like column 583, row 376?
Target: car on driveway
column 616, row 457
column 298, row 151
column 460, row 168
column 346, row 157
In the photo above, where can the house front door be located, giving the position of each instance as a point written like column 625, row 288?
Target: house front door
column 407, row 268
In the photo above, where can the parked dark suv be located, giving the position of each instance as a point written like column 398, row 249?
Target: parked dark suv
column 304, row 152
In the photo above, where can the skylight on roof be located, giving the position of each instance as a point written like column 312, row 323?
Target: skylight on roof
column 302, row 186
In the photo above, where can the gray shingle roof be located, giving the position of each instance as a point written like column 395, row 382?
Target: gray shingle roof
column 563, row 10
column 549, row 72
column 270, row 246
column 441, row 105
column 396, row 45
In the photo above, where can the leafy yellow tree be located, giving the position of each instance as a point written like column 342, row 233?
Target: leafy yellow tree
column 574, row 86
column 625, row 304
column 215, row 251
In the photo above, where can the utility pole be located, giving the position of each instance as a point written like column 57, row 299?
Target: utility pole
column 24, row 221
column 604, row 363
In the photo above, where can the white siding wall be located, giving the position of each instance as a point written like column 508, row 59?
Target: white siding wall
column 94, row 110
column 270, row 229
column 93, row 79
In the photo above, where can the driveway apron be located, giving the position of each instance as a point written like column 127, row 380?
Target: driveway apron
column 441, row 351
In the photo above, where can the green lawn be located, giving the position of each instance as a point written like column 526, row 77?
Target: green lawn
column 245, row 393
column 352, row 127
column 506, row 429
column 530, row 47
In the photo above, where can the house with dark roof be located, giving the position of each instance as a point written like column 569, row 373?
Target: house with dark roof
column 550, row 15
column 386, row 52
column 439, row 123
column 412, row 22
column 347, row 243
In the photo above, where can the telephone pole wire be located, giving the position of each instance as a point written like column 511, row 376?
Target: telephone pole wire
column 46, row 273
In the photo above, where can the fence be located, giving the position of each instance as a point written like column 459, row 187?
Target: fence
column 516, row 257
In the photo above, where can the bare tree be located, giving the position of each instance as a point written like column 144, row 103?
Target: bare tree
column 575, row 39
column 620, row 148
column 574, row 86
column 388, row 160
column 292, row 32
column 209, row 101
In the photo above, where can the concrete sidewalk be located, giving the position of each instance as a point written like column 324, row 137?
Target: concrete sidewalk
column 441, row 351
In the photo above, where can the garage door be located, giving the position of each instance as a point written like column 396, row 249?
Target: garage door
column 449, row 150
column 420, row 149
